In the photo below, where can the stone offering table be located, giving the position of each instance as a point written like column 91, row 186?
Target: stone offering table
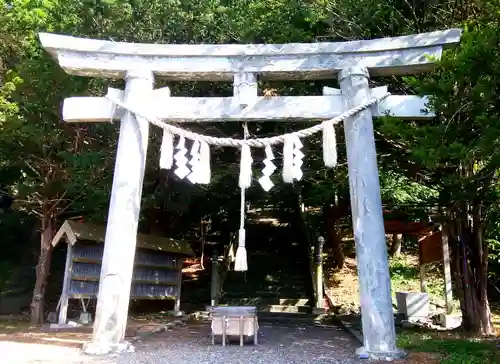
column 234, row 321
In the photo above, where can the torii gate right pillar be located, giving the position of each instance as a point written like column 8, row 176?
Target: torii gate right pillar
column 368, row 225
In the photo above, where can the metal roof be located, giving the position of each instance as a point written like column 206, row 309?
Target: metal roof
column 73, row 231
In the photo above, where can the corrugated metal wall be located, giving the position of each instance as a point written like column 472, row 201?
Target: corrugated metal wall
column 155, row 274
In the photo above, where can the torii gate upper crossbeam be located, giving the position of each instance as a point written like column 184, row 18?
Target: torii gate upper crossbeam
column 215, row 62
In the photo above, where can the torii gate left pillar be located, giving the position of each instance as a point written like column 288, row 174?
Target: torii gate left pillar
column 123, row 216
column 351, row 61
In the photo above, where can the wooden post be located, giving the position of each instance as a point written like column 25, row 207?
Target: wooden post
column 242, row 323
column 214, row 287
column 448, row 294
column 63, row 309
column 224, row 326
column 423, row 282
column 319, row 273
column 396, row 245
column 371, row 250
column 123, row 217
column 180, row 265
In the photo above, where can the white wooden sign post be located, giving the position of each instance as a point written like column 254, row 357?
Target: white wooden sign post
column 352, row 62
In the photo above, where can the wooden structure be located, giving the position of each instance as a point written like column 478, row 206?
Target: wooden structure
column 157, row 273
column 234, row 321
column 352, row 63
column 433, row 247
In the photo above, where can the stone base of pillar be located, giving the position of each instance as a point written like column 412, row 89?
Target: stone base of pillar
column 363, row 353
column 92, row 348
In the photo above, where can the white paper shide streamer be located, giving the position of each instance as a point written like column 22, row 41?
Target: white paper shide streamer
column 292, row 159
column 265, row 180
column 297, row 159
column 194, row 162
column 180, row 159
column 167, row 150
column 288, row 159
column 199, row 170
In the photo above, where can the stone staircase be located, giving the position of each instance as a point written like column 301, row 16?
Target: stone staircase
column 277, row 280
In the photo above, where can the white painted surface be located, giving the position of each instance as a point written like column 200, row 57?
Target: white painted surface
column 368, row 224
column 245, row 89
column 56, row 42
column 121, row 232
column 68, row 268
column 384, row 56
column 217, row 109
column 413, row 304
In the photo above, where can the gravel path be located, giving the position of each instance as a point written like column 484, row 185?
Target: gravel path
column 278, row 344
column 289, row 344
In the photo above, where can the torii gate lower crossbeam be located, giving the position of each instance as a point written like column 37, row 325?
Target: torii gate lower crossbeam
column 350, row 61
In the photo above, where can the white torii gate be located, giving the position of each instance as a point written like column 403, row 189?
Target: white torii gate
column 351, row 62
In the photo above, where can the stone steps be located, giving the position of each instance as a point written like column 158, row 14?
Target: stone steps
column 290, row 301
column 264, row 294
column 286, row 318
column 288, row 309
column 275, row 282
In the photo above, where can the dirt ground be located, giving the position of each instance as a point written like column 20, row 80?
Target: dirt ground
column 21, row 343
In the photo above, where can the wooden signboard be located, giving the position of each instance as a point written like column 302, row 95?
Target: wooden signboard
column 430, row 248
column 157, row 273
column 155, row 276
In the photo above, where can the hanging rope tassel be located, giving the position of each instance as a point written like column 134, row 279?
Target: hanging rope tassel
column 240, row 263
column 329, row 145
column 167, row 150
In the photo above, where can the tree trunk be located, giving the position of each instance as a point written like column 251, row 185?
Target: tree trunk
column 302, row 234
column 396, row 245
column 42, row 268
column 333, row 241
column 332, row 213
column 470, row 261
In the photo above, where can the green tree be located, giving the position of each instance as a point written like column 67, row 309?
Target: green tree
column 459, row 150
column 48, row 163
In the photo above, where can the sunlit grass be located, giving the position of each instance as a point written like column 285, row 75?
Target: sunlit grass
column 451, row 347
column 405, row 277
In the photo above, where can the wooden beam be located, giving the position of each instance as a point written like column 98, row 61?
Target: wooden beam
column 383, row 57
column 448, row 294
column 66, row 232
column 63, row 309
column 423, row 280
column 400, row 106
column 216, row 109
column 179, row 265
